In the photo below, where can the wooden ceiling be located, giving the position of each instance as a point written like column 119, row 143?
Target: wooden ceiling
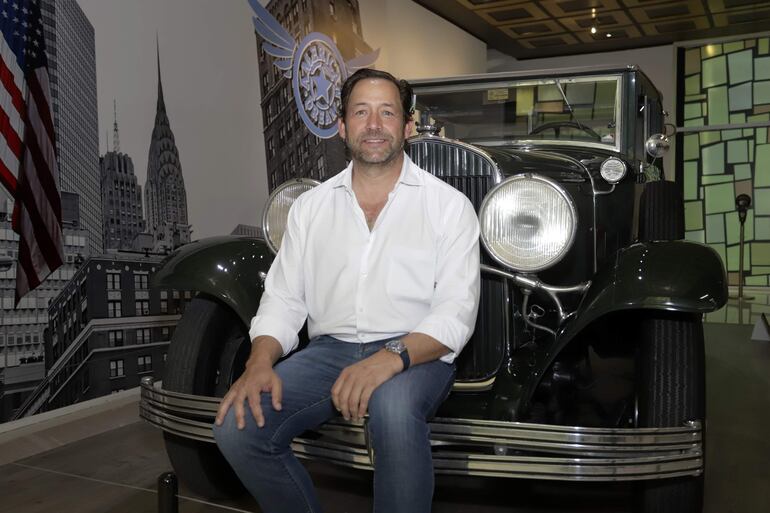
column 547, row 28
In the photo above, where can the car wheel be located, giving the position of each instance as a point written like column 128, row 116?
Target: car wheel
column 671, row 391
column 207, row 352
column 661, row 212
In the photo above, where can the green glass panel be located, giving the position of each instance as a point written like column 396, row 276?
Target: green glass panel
column 737, row 151
column 720, row 198
column 714, row 72
column 764, row 46
column 758, row 117
column 715, row 228
column 710, row 51
column 761, row 202
column 692, row 84
column 733, row 47
column 762, row 92
column 693, row 122
column 762, row 228
column 742, row 172
column 713, row 159
column 717, row 106
column 756, row 281
column 690, row 181
column 691, row 147
column 740, row 66
column 731, row 134
column 709, row 137
column 748, row 132
column 733, row 258
column 692, row 110
column 712, row 179
column 760, row 253
column 693, row 215
column 695, row 97
column 751, row 151
column 733, row 226
column 695, row 236
column 761, row 134
column 762, row 68
column 740, row 97
column 762, row 166
column 738, row 118
column 759, row 269
column 692, row 61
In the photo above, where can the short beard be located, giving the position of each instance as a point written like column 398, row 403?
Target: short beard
column 360, row 156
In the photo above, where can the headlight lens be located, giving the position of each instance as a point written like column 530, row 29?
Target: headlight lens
column 528, row 223
column 276, row 211
column 613, row 170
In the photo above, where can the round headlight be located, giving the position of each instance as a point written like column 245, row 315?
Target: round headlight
column 613, row 170
column 528, row 222
column 276, row 212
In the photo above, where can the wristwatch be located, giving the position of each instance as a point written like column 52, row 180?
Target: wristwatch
column 397, row 347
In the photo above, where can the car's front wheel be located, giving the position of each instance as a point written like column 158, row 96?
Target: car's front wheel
column 671, row 391
column 207, row 352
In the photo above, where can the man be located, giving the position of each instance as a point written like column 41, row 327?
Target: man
column 383, row 262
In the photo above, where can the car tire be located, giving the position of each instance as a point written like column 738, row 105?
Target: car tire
column 671, row 391
column 203, row 359
column 661, row 212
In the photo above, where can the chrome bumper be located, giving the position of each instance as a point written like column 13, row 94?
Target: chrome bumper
column 474, row 447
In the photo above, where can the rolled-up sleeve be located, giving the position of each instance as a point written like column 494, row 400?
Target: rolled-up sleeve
column 455, row 304
column 282, row 310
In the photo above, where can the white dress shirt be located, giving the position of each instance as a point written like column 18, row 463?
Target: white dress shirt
column 417, row 270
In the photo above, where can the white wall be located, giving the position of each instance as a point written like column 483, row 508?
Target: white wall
column 415, row 43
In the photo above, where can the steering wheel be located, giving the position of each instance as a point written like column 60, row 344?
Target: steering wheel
column 557, row 126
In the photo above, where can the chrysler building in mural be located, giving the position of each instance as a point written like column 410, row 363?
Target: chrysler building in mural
column 165, row 197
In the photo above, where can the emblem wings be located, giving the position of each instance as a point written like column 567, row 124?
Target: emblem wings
column 282, row 45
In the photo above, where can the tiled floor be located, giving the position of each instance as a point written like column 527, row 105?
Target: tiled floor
column 116, row 470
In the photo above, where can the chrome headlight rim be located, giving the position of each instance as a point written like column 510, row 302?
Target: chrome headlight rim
column 278, row 190
column 561, row 191
column 611, row 161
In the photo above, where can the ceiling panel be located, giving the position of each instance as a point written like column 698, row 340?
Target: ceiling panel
column 562, row 27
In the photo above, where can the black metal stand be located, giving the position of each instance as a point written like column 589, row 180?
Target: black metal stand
column 168, row 488
column 742, row 204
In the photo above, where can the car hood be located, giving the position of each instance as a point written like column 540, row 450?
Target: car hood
column 557, row 162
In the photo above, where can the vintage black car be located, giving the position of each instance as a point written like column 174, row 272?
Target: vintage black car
column 587, row 360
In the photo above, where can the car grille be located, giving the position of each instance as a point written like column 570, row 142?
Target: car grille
column 472, row 173
column 463, row 167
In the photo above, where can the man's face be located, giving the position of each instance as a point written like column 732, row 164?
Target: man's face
column 374, row 128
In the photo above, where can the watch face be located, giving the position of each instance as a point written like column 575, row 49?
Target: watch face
column 395, row 346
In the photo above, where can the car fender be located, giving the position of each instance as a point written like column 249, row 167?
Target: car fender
column 227, row 268
column 677, row 276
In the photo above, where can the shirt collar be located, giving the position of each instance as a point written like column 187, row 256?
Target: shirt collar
column 410, row 175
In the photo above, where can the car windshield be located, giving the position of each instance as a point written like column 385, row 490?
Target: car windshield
column 576, row 110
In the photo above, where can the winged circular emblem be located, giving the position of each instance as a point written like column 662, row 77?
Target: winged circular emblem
column 314, row 65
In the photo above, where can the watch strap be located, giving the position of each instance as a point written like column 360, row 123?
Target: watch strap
column 404, row 359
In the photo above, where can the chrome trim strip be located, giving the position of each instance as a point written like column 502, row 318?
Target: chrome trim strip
column 472, row 447
column 476, row 386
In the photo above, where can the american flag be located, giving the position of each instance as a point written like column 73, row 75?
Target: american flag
column 27, row 145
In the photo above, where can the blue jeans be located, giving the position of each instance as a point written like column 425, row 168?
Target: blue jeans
column 398, row 430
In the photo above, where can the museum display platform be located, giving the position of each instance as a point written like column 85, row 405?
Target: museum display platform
column 97, row 456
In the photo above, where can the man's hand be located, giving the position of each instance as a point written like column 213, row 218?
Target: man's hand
column 258, row 377
column 356, row 383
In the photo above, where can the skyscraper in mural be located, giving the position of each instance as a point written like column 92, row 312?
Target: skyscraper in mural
column 165, row 198
column 291, row 149
column 122, row 216
column 69, row 39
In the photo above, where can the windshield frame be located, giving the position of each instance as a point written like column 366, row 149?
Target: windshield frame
column 509, row 83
